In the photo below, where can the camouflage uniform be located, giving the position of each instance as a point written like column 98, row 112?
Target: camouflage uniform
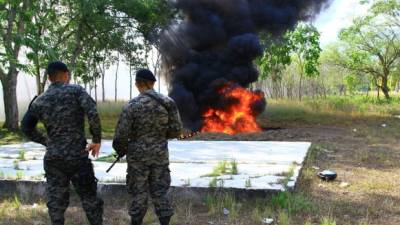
column 62, row 109
column 142, row 134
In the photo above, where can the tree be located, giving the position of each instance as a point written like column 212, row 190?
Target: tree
column 274, row 60
column 14, row 15
column 371, row 45
column 300, row 46
column 304, row 41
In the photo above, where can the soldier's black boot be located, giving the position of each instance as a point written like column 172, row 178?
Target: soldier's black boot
column 165, row 220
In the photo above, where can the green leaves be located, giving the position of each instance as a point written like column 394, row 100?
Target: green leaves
column 371, row 45
column 303, row 42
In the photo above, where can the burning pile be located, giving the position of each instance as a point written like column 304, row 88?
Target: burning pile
column 238, row 117
column 208, row 55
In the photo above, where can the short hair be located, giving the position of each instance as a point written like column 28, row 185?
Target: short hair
column 55, row 67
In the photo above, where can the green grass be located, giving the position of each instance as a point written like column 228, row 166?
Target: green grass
column 218, row 202
column 333, row 110
column 16, row 165
column 21, row 155
column 7, row 137
column 328, row 221
column 224, row 168
column 248, row 183
column 213, row 183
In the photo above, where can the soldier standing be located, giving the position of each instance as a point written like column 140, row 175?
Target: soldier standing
column 142, row 133
column 62, row 109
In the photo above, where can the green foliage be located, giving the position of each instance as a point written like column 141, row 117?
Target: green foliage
column 275, row 57
column 224, row 168
column 234, row 168
column 16, row 164
column 371, row 45
column 21, row 155
column 151, row 15
column 19, row 174
column 288, row 175
column 303, row 43
column 292, row 203
column 16, row 203
column 248, row 183
column 213, row 183
column 284, row 218
column 218, row 202
column 328, row 221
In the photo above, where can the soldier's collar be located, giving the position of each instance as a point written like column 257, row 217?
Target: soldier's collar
column 149, row 90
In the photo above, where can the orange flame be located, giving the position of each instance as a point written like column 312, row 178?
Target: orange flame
column 237, row 118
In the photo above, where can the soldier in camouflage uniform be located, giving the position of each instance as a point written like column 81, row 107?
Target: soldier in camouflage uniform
column 62, row 109
column 142, row 133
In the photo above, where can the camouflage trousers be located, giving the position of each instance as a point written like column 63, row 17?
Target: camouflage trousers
column 144, row 180
column 59, row 175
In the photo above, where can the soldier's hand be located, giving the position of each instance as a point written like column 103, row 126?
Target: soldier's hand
column 94, row 148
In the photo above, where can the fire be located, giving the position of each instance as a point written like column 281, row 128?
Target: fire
column 236, row 118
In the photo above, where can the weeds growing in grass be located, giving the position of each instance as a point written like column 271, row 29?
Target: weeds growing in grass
column 224, row 168
column 217, row 203
column 234, row 168
column 221, row 168
column 16, row 165
column 213, row 183
column 288, row 175
column 284, row 218
column 221, row 184
column 328, row 221
column 19, row 174
column 21, row 155
column 292, row 203
column 248, row 183
column 2, row 175
column 260, row 212
column 16, row 203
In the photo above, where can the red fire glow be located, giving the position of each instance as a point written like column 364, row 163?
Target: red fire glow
column 237, row 118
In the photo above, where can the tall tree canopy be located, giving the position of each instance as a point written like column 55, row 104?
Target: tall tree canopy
column 371, row 45
column 300, row 45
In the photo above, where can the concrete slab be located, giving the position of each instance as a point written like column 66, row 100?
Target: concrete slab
column 261, row 165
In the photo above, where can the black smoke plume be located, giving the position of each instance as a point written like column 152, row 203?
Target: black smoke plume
column 214, row 44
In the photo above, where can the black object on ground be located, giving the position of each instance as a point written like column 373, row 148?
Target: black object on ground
column 327, row 175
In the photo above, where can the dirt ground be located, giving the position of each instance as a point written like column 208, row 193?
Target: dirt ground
column 365, row 154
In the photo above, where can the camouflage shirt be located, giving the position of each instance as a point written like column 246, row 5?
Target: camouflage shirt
column 145, row 126
column 62, row 109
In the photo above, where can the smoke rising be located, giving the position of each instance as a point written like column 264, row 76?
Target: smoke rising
column 215, row 43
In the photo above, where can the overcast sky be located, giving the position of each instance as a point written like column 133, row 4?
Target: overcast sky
column 339, row 15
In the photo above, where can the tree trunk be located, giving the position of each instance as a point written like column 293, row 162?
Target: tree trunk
column 103, row 90
column 301, row 76
column 130, row 82
column 385, row 88
column 300, row 86
column 77, row 51
column 10, row 100
column 116, row 80
column 95, row 89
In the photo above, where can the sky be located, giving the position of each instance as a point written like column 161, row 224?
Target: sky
column 329, row 22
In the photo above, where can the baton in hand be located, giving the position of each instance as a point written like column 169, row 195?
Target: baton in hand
column 112, row 165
